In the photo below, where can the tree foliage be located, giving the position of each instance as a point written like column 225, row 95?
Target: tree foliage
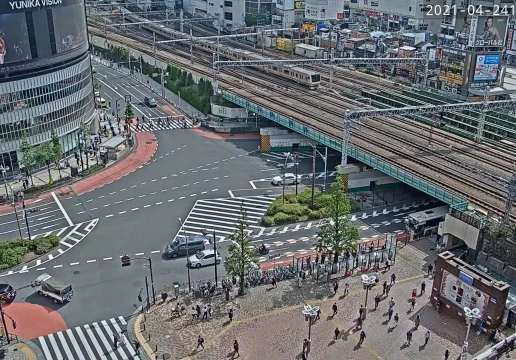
column 28, row 159
column 44, row 154
column 57, row 150
column 337, row 234
column 254, row 19
column 242, row 254
column 128, row 113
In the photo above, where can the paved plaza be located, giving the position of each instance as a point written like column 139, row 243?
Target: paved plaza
column 268, row 323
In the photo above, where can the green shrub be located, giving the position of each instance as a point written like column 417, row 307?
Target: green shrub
column 268, row 221
column 10, row 258
column 294, row 209
column 322, row 201
column 354, row 207
column 318, row 214
column 52, row 239
column 305, row 197
column 43, row 247
column 282, row 218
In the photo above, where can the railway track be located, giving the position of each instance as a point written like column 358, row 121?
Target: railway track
column 490, row 199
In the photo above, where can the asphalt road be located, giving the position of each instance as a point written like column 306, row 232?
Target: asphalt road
column 191, row 177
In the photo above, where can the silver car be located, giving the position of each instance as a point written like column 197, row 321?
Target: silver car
column 287, row 179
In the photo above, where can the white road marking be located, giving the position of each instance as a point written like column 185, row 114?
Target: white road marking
column 123, row 189
column 139, row 254
column 170, row 200
column 118, row 202
column 106, row 205
column 193, row 194
column 91, row 261
column 58, row 266
column 122, row 212
column 94, row 209
column 62, row 209
column 155, row 251
column 146, row 206
column 89, row 200
column 215, row 190
column 130, row 199
column 231, row 193
column 81, row 212
column 134, row 209
column 107, row 258
column 182, row 197
column 110, row 215
column 74, row 263
column 101, row 196
column 141, row 196
column 159, row 203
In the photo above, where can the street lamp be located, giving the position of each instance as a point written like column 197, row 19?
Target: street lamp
column 368, row 282
column 126, row 261
column 16, row 213
column 4, row 174
column 472, row 315
column 22, row 195
column 79, row 144
column 215, row 259
column 187, row 253
column 3, row 315
column 310, row 312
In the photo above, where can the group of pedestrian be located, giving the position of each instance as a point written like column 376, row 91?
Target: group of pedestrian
column 204, row 313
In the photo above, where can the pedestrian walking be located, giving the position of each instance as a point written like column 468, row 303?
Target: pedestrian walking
column 236, row 349
column 204, row 312
column 136, row 347
column 198, row 310
column 318, row 316
column 194, row 313
column 423, row 287
column 393, row 278
column 115, row 341
column 377, row 300
column 335, row 287
column 334, row 308
column 417, row 322
column 209, row 310
column 390, row 312
column 200, row 342
column 305, row 345
column 317, row 259
column 362, row 338
column 412, row 304
column 430, row 268
column 427, row 337
column 409, row 337
column 387, row 290
column 446, row 354
column 384, row 287
column 396, row 319
column 391, row 303
column 230, row 315
column 359, row 322
column 361, row 311
column 387, row 265
column 273, row 282
column 482, row 327
column 336, row 333
column 346, row 289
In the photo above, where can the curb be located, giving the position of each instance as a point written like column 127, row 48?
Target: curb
column 30, row 350
column 136, row 334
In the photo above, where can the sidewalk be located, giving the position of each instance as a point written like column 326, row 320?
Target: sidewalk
column 41, row 177
column 23, row 350
column 145, row 147
column 268, row 323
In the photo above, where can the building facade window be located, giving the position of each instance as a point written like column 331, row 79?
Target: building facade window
column 34, row 107
column 228, row 16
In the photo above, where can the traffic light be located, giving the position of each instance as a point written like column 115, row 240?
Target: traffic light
column 126, row 260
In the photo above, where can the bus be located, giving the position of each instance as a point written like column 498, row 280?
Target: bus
column 426, row 221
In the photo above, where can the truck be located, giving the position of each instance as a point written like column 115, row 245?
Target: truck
column 53, row 288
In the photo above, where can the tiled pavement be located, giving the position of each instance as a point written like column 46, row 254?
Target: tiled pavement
column 269, row 325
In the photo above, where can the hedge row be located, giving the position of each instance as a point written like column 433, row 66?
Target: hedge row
column 12, row 252
column 297, row 208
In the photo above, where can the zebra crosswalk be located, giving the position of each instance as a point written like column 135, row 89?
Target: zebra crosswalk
column 222, row 216
column 154, row 125
column 91, row 341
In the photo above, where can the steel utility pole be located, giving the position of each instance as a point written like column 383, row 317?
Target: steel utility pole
column 215, row 250
column 482, row 118
column 511, row 196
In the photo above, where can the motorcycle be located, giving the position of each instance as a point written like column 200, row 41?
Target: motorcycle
column 262, row 251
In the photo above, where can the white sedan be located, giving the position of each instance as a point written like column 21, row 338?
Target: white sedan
column 203, row 258
column 287, row 179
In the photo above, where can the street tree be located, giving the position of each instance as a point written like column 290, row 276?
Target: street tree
column 337, row 234
column 128, row 114
column 57, row 151
column 85, row 137
column 44, row 154
column 242, row 254
column 28, row 159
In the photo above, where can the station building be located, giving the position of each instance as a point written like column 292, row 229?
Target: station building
column 46, row 80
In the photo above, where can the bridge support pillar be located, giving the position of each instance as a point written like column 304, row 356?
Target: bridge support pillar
column 344, row 171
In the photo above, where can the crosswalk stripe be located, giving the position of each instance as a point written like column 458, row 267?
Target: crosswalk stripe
column 75, row 345
column 52, row 340
column 173, row 124
column 96, row 344
column 112, row 336
column 66, row 349
column 84, row 342
column 44, row 347
column 104, row 340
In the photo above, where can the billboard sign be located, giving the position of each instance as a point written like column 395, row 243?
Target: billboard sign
column 462, row 294
column 37, row 30
column 299, row 5
column 482, row 31
column 315, row 12
column 486, row 67
column 284, row 4
column 511, row 39
column 308, row 28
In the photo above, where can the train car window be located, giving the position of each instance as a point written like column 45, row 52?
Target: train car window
column 274, row 68
column 285, row 71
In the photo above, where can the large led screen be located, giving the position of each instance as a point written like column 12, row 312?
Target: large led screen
column 69, row 27
column 14, row 40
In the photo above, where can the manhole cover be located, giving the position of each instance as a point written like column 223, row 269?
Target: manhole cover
column 148, row 142
column 164, row 271
column 137, row 283
column 76, row 272
column 166, row 356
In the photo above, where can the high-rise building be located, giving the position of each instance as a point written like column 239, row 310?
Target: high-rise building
column 46, row 82
column 230, row 13
column 322, row 10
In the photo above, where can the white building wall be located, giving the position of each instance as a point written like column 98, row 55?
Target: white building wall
column 323, row 9
column 218, row 9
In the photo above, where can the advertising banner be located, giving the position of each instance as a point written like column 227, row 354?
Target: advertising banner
column 299, row 5
column 486, row 67
column 285, row 4
column 511, row 39
column 482, row 31
column 308, row 28
column 462, row 294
